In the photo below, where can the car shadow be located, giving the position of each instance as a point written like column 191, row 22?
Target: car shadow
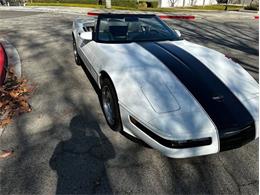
column 80, row 161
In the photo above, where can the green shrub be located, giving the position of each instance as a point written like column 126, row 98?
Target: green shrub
column 67, row 1
column 124, row 3
column 148, row 3
column 154, row 4
column 252, row 7
column 142, row 5
column 119, row 3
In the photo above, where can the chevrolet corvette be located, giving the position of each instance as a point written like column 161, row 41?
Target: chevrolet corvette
column 178, row 97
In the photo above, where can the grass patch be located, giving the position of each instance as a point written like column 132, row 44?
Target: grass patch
column 218, row 7
column 67, row 5
column 194, row 8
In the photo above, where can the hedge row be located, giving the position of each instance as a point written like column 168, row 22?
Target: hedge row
column 121, row 3
column 124, row 3
column 252, row 7
column 66, row 1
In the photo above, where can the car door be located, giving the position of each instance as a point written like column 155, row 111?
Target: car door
column 90, row 57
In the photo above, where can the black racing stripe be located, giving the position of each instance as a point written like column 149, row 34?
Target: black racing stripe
column 223, row 107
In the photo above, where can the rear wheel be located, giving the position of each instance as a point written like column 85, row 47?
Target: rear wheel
column 110, row 105
column 76, row 55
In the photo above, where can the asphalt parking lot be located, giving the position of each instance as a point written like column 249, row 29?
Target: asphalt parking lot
column 65, row 146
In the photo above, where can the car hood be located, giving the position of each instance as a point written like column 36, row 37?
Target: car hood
column 153, row 94
column 144, row 83
column 234, row 76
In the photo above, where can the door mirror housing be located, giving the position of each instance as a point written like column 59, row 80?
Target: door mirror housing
column 178, row 33
column 86, row 36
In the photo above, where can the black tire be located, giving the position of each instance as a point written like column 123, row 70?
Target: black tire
column 75, row 52
column 114, row 121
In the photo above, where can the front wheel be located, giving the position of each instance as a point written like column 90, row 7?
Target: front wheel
column 110, row 105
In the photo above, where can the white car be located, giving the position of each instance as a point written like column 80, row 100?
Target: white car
column 180, row 98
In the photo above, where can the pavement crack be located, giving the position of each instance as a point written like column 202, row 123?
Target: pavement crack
column 250, row 183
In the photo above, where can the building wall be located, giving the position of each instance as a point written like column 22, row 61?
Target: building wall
column 180, row 3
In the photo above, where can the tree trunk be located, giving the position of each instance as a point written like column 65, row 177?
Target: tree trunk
column 159, row 3
column 108, row 4
column 251, row 3
column 226, row 6
column 243, row 3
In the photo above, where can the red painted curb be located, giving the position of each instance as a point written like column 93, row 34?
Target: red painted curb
column 256, row 17
column 92, row 14
column 3, row 62
column 177, row 17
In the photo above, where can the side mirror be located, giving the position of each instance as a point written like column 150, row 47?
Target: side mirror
column 178, row 33
column 86, row 36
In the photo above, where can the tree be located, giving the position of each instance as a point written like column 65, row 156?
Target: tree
column 204, row 3
column 173, row 3
column 108, row 4
column 226, row 5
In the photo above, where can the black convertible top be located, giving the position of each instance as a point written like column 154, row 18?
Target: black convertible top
column 112, row 15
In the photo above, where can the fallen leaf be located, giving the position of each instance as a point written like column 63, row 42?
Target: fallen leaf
column 5, row 153
column 14, row 95
column 5, row 122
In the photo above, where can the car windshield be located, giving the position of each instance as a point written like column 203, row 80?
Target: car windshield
column 132, row 28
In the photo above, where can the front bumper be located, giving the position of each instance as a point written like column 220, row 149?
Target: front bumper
column 130, row 128
column 176, row 144
column 237, row 138
column 217, row 143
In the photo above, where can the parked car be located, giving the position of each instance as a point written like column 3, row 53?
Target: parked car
column 3, row 2
column 179, row 97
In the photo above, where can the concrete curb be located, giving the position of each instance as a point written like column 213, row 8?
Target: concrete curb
column 177, row 17
column 2, row 129
column 13, row 57
column 248, row 11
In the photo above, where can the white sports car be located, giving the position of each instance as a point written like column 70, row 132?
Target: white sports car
column 180, row 98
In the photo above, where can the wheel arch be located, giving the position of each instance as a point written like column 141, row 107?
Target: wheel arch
column 104, row 74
